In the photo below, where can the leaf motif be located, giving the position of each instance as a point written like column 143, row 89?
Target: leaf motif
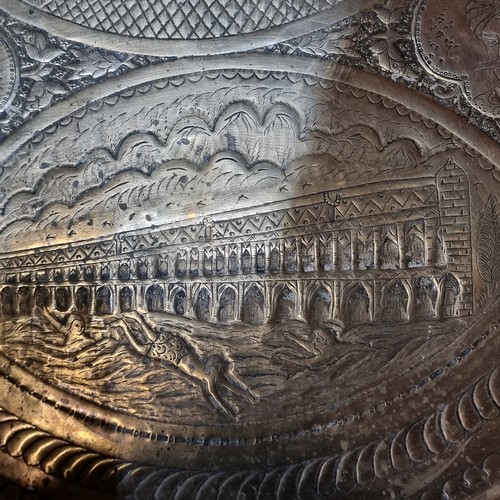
column 36, row 91
column 335, row 35
column 384, row 61
column 334, row 50
column 383, row 14
column 489, row 242
column 77, row 53
column 80, row 71
column 408, row 72
column 99, row 72
column 45, row 71
column 351, row 30
column 32, row 51
column 55, row 88
column 40, row 41
column 111, row 58
column 394, row 53
column 343, row 43
column 396, row 15
column 379, row 47
column 94, row 64
column 352, row 53
column 45, row 100
column 50, row 54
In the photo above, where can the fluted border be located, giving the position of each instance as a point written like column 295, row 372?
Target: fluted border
column 417, row 443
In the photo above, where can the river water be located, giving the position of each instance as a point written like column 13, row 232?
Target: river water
column 292, row 367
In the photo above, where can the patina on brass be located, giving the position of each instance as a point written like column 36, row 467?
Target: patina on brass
column 249, row 249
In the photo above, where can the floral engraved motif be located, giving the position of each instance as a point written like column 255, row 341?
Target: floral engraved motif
column 489, row 244
column 459, row 41
column 443, row 38
column 96, row 64
column 326, row 44
column 386, row 45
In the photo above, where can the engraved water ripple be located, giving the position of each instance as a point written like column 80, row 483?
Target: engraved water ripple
column 103, row 369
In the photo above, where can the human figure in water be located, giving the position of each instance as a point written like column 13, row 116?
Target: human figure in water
column 168, row 346
column 70, row 325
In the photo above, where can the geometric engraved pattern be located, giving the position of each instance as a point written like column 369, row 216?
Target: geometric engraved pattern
column 192, row 19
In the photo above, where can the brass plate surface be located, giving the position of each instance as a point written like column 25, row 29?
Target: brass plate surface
column 249, row 249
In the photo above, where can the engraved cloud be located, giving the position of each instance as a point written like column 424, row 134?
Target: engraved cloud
column 143, row 166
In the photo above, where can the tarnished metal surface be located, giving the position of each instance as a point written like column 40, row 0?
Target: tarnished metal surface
column 249, row 249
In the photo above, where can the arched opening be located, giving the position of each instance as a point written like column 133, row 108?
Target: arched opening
column 194, row 262
column 290, row 257
column 105, row 273
column 227, row 306
column 155, row 298
column 253, row 306
column 320, row 306
column 344, row 251
column 42, row 297
column 104, row 299
column 73, row 275
column 180, row 303
column 58, row 276
column 220, row 262
column 62, row 299
column 82, row 300
column 308, row 259
column 126, row 296
column 202, row 305
column 7, row 298
column 208, row 264
column 7, row 302
column 395, row 303
column 274, row 260
column 415, row 246
column 233, row 263
column 326, row 255
column 162, row 271
column 425, row 299
column 180, row 266
column 142, row 270
column 286, row 305
column 124, row 272
column 88, row 273
column 450, row 292
column 365, row 250
column 389, row 252
column 24, row 301
column 356, row 306
column 440, row 251
column 260, row 264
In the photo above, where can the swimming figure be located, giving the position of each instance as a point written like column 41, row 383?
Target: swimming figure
column 168, row 346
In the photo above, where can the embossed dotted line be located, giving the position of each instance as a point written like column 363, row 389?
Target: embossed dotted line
column 273, row 438
column 12, row 79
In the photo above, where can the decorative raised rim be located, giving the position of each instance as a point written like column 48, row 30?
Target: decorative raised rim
column 14, row 82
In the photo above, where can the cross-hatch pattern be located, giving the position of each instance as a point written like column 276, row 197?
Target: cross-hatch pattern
column 181, row 19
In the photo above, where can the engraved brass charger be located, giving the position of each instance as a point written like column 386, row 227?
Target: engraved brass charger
column 249, row 249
